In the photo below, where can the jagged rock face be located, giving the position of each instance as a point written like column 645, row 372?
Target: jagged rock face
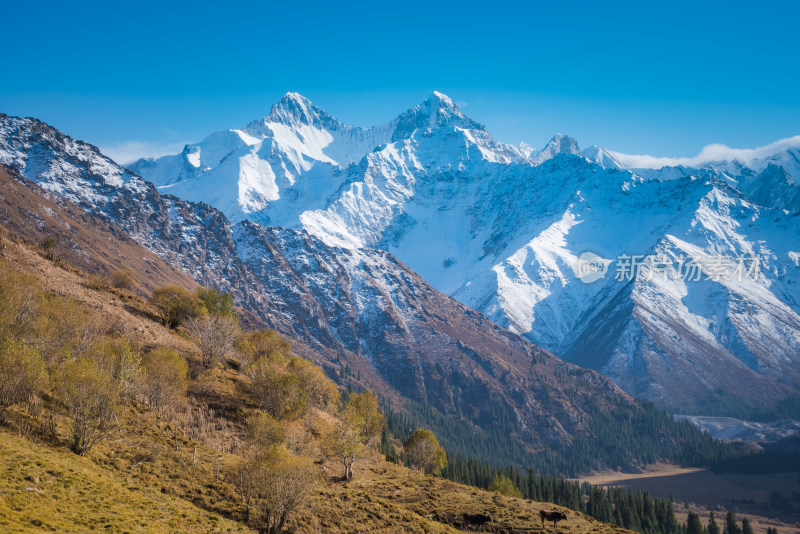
column 364, row 306
column 502, row 229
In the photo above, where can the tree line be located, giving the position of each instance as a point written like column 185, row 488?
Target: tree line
column 624, row 437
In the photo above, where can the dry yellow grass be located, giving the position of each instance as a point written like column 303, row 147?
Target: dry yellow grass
column 46, row 488
column 388, row 498
column 140, row 481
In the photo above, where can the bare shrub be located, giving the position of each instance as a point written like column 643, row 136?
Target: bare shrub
column 121, row 278
column 164, row 379
column 97, row 282
column 22, row 374
column 48, row 246
column 274, row 483
column 215, row 335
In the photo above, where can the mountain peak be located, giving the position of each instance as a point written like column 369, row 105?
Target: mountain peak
column 442, row 98
column 293, row 108
column 559, row 144
column 436, row 111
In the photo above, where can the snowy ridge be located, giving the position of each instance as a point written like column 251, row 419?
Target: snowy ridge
column 359, row 307
column 502, row 229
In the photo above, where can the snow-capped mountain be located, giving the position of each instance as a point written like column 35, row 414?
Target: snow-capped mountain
column 504, row 230
column 359, row 308
column 292, row 160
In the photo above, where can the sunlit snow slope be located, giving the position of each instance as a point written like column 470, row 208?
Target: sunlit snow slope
column 502, row 228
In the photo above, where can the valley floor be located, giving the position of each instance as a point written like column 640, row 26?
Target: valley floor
column 701, row 491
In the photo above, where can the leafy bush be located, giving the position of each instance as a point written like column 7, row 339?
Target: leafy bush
column 503, row 485
column 175, row 305
column 424, row 453
column 91, row 396
column 262, row 343
column 287, row 386
column 264, row 431
column 164, row 379
column 216, row 302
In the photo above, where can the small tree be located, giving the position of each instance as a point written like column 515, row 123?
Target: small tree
column 693, row 525
column 358, row 429
column 747, row 528
column 424, row 453
column 175, row 305
column 22, row 374
column 164, row 379
column 216, row 302
column 503, row 485
column 215, row 336
column 121, row 278
column 713, row 528
column 287, row 386
column 91, row 396
column 274, row 483
column 264, row 431
column 122, row 361
column 345, row 443
column 20, row 303
column 730, row 523
column 365, row 410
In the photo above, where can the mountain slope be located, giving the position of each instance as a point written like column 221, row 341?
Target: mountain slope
column 360, row 309
column 151, row 475
column 32, row 214
column 503, row 230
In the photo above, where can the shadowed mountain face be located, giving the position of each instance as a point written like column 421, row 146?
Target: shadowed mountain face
column 502, row 229
column 361, row 307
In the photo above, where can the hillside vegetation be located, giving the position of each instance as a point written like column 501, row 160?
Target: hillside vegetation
column 122, row 424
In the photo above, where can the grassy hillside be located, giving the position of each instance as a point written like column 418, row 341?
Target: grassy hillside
column 46, row 488
column 157, row 472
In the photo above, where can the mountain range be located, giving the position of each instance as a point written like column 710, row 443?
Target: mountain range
column 693, row 303
column 362, row 314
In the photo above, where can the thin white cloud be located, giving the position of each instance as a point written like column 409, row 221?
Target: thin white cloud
column 129, row 151
column 709, row 154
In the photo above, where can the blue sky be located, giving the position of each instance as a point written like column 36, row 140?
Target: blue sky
column 661, row 78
